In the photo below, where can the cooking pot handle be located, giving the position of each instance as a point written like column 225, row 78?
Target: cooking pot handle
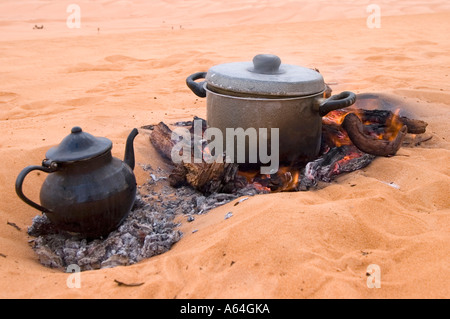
column 335, row 102
column 19, row 182
column 197, row 87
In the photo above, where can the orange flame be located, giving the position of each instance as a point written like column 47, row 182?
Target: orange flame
column 394, row 125
column 290, row 176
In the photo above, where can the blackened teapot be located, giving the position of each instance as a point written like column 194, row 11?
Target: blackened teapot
column 87, row 191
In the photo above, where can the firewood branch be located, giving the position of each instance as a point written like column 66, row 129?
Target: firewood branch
column 382, row 116
column 355, row 130
column 205, row 177
column 161, row 139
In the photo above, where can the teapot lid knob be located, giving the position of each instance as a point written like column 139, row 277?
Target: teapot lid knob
column 76, row 129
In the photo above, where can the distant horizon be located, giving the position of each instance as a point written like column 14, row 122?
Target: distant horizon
column 18, row 18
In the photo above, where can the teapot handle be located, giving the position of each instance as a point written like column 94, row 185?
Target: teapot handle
column 19, row 182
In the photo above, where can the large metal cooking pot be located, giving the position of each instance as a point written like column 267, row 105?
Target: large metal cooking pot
column 268, row 94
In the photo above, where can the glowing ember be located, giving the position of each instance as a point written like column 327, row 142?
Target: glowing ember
column 334, row 117
column 345, row 160
column 286, row 179
column 260, row 187
column 290, row 178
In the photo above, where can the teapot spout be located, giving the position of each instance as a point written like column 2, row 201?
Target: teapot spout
column 129, row 149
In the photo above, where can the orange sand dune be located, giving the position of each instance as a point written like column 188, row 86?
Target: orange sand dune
column 131, row 72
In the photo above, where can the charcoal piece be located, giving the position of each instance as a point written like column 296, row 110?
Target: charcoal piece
column 240, row 201
column 120, row 283
column 14, row 225
column 41, row 225
column 333, row 163
column 183, row 123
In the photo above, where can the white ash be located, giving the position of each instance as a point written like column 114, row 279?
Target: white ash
column 228, row 215
column 147, row 231
column 144, row 233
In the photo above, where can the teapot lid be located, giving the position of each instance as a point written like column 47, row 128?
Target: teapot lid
column 264, row 76
column 78, row 146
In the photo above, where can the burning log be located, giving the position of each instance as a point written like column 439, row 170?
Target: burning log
column 205, row 177
column 209, row 178
column 382, row 117
column 355, row 130
column 337, row 160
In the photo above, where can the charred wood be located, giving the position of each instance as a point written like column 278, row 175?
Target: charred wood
column 382, row 117
column 161, row 139
column 355, row 130
column 205, row 177
column 331, row 164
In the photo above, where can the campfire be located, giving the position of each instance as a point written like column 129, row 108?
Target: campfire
column 351, row 140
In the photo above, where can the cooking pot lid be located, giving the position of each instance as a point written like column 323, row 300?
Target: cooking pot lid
column 78, row 146
column 266, row 75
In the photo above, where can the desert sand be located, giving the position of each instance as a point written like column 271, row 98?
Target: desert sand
column 126, row 67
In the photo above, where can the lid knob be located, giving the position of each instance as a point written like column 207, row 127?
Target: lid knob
column 266, row 64
column 76, row 129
